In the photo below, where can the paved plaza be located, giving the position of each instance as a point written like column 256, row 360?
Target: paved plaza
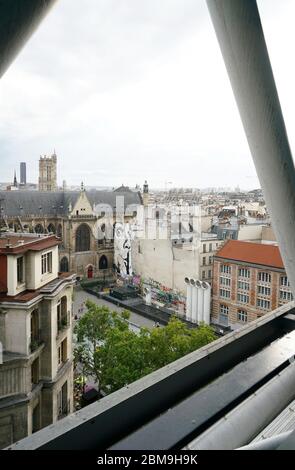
column 80, row 297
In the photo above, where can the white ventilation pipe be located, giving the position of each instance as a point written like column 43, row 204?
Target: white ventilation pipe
column 188, row 313
column 200, row 301
column 196, row 304
column 207, row 302
column 194, row 300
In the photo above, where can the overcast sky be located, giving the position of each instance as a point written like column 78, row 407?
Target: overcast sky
column 128, row 90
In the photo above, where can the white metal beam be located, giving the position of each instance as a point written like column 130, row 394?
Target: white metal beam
column 241, row 39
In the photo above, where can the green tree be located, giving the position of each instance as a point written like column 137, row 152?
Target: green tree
column 91, row 331
column 176, row 340
column 95, row 323
column 122, row 358
column 126, row 356
column 116, row 356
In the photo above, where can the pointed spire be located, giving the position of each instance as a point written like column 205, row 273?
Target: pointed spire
column 14, row 179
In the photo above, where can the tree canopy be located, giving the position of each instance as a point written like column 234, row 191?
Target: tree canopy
column 116, row 356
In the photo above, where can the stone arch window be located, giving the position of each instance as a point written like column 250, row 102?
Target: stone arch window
column 62, row 315
column 83, row 238
column 51, row 228
column 103, row 262
column 64, row 265
column 39, row 228
column 35, row 332
column 64, row 303
column 59, row 231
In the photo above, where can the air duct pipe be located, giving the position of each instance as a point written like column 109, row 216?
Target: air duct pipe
column 207, row 303
column 270, row 443
column 188, row 313
column 240, row 426
column 194, row 300
column 200, row 301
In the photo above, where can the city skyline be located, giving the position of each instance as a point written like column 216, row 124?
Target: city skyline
column 67, row 185
column 124, row 100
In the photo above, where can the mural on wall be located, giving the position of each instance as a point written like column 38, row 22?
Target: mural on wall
column 122, row 249
column 160, row 295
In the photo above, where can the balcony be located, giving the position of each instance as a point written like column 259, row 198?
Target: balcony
column 105, row 243
column 63, row 324
column 36, row 341
column 227, row 375
column 83, row 216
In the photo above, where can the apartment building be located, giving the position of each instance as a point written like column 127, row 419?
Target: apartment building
column 249, row 280
column 209, row 245
column 36, row 373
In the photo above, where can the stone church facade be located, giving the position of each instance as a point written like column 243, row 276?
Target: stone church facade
column 84, row 220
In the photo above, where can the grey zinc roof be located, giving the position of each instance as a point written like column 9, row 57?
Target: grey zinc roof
column 109, row 197
column 36, row 203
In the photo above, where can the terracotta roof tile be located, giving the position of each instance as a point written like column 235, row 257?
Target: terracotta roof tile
column 30, row 243
column 256, row 253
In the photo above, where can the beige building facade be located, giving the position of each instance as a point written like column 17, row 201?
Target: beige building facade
column 36, row 369
column 169, row 262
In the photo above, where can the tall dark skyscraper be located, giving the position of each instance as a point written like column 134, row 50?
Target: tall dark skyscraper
column 23, row 173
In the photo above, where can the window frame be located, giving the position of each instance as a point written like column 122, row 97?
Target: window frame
column 20, row 279
column 46, row 263
column 242, row 316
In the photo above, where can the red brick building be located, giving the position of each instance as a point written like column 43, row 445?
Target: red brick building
column 249, row 280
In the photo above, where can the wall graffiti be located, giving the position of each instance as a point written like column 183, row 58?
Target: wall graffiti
column 122, row 249
column 161, row 294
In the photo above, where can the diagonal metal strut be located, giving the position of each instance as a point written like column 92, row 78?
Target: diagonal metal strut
column 239, row 32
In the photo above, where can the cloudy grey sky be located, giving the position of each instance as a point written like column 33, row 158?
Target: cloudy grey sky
column 128, row 90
